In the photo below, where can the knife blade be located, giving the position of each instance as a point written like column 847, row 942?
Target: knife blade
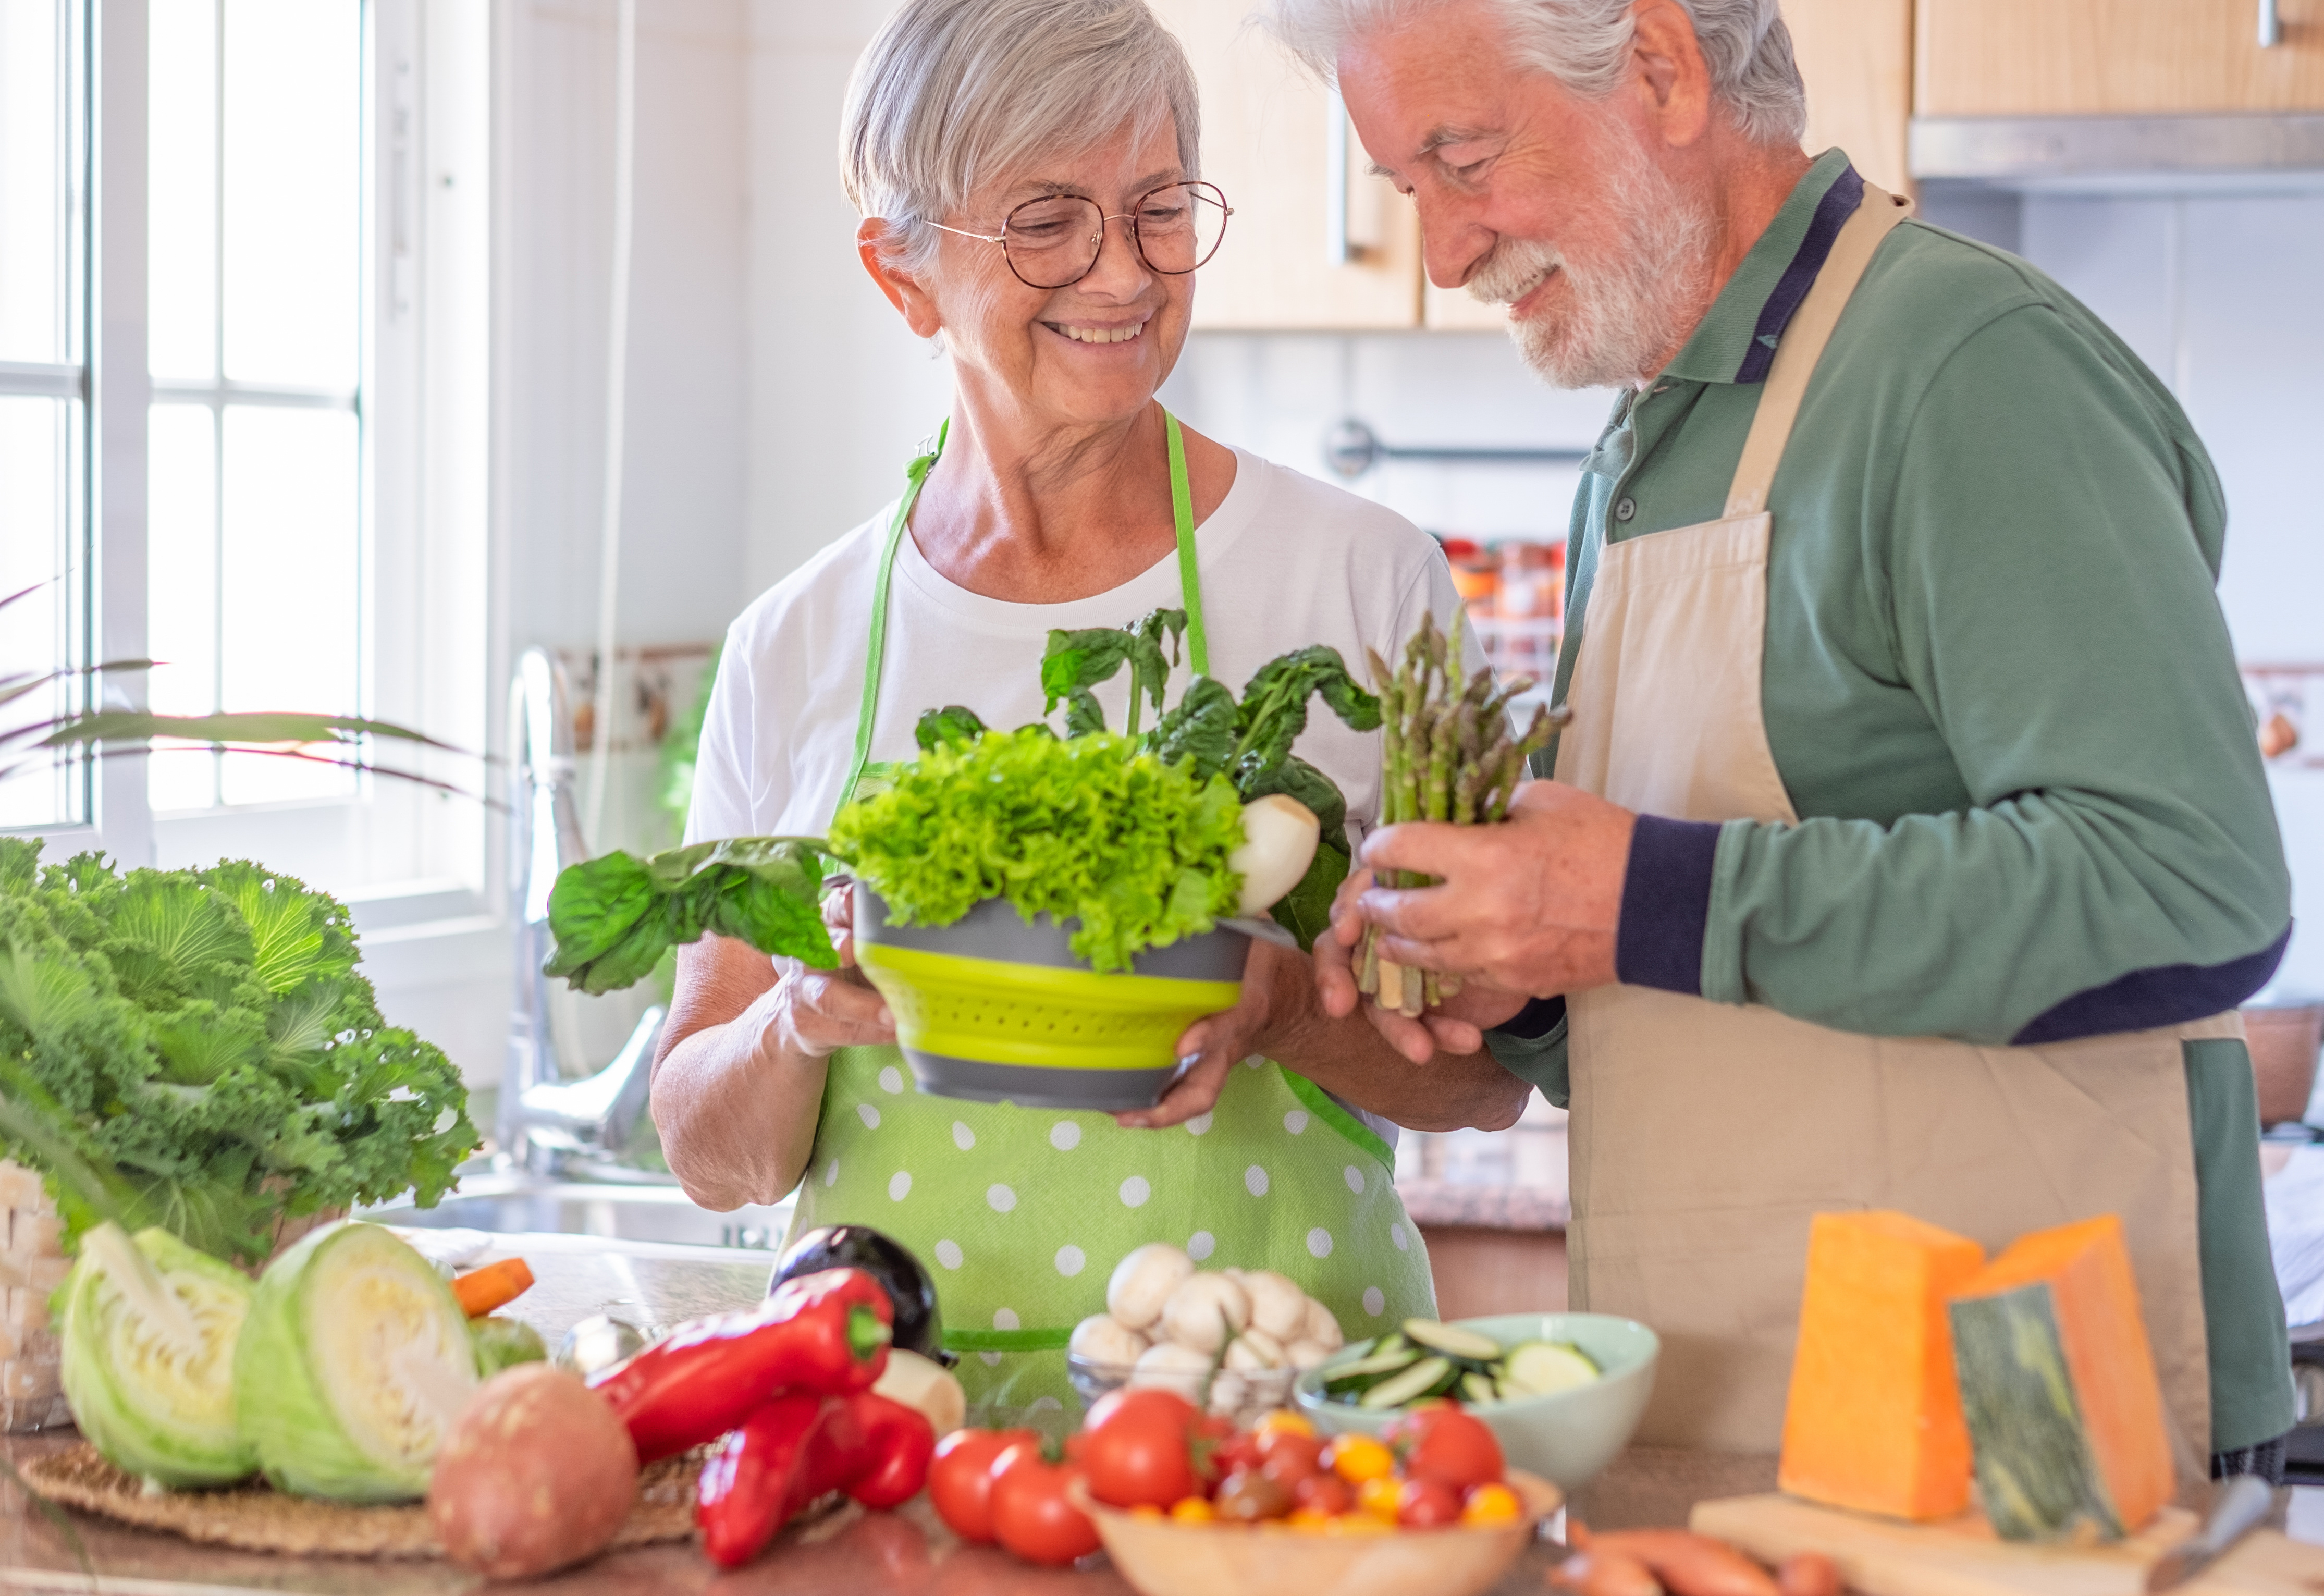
column 2242, row 1502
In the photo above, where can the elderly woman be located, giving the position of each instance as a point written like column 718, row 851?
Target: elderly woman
column 1028, row 175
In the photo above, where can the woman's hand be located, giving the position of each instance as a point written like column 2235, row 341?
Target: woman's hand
column 1215, row 1043
column 812, row 1013
column 1456, row 1026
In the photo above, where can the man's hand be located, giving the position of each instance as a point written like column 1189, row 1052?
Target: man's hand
column 1529, row 907
column 1455, row 1026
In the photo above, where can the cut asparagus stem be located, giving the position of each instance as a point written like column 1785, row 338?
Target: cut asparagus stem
column 1391, row 986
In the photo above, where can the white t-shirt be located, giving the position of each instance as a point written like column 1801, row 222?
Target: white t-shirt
column 1286, row 562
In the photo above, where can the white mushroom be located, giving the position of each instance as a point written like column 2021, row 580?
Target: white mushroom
column 1277, row 1306
column 1304, row 1354
column 1103, row 1338
column 1322, row 1328
column 1204, row 1310
column 1166, row 1366
column 1143, row 1280
column 1254, row 1349
column 1229, row 1394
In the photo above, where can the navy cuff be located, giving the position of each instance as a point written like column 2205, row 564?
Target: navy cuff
column 1536, row 1020
column 2145, row 1000
column 1666, row 904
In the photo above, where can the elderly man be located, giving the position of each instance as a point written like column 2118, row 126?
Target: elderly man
column 1908, row 847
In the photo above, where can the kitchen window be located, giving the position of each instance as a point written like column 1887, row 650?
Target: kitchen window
column 276, row 326
column 44, row 487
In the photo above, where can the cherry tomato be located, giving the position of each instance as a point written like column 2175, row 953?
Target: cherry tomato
column 1124, row 1399
column 1141, row 1455
column 960, row 1479
column 1489, row 1505
column 1248, row 1498
column 1358, row 1458
column 1325, row 1493
column 1290, row 1457
column 1443, row 1443
column 1424, row 1504
column 1032, row 1514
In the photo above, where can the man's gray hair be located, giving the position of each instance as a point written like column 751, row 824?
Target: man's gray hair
column 955, row 94
column 1585, row 45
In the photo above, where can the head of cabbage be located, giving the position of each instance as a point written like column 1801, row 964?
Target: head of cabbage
column 353, row 1364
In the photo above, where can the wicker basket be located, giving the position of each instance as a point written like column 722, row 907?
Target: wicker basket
column 32, row 1264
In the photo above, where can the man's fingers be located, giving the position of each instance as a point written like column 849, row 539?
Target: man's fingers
column 1408, row 1036
column 1415, row 955
column 1426, row 847
column 1456, row 1037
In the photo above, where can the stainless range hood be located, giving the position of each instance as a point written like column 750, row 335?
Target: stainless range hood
column 2200, row 153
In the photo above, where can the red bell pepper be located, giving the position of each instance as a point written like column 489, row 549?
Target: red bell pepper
column 824, row 1333
column 798, row 1448
column 743, row 1496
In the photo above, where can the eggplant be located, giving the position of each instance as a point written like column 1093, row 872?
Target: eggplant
column 918, row 1326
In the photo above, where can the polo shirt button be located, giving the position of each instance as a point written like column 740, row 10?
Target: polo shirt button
column 1624, row 509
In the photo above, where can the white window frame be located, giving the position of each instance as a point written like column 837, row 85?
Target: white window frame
column 420, row 869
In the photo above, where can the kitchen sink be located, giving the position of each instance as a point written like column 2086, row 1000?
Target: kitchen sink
column 619, row 1213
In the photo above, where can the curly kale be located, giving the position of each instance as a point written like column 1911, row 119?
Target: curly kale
column 194, row 1049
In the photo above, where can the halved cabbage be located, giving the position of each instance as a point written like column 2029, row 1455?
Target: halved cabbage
column 149, row 1334
column 354, row 1363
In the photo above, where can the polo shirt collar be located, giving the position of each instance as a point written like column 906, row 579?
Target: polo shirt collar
column 1736, row 342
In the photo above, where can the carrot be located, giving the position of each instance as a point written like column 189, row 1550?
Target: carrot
column 1808, row 1574
column 481, row 1291
column 1604, row 1573
column 1690, row 1564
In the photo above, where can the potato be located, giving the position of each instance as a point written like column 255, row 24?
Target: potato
column 537, row 1474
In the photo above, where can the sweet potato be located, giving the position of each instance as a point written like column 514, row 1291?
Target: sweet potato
column 1596, row 1573
column 1689, row 1564
column 1808, row 1574
column 537, row 1474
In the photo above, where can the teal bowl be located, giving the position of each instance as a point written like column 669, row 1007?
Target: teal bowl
column 1567, row 1436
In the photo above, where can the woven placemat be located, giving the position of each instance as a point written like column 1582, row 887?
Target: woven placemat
column 256, row 1518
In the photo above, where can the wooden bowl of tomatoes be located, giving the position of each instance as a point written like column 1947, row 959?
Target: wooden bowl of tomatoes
column 1187, row 1507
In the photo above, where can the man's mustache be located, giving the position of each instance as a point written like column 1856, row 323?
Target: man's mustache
column 1515, row 269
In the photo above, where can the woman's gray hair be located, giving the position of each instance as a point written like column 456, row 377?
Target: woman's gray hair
column 1585, row 45
column 955, row 94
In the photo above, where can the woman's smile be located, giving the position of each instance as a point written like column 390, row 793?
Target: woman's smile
column 1095, row 332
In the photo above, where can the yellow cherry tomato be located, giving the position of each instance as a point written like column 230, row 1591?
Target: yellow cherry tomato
column 1283, row 1421
column 1360, row 1523
column 1377, row 1498
column 1358, row 1458
column 1308, row 1520
column 1490, row 1505
column 1191, row 1509
column 1147, row 1512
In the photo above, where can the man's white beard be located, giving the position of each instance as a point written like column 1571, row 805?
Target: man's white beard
column 1626, row 315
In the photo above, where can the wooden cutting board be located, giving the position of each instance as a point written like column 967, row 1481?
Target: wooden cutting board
column 1962, row 1557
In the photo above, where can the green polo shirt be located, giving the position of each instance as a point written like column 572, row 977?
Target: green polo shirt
column 1998, row 688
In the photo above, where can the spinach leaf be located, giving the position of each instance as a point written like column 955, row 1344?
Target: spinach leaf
column 949, row 727
column 613, row 915
column 1306, row 911
column 1076, row 661
column 1274, row 711
column 1201, row 728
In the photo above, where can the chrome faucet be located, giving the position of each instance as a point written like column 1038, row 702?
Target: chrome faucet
column 546, row 1119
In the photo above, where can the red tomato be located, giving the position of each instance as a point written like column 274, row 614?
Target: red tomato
column 1443, row 1443
column 1122, row 1399
column 1289, row 1458
column 1141, row 1456
column 960, row 1479
column 1424, row 1504
column 1032, row 1515
column 1236, row 1452
column 1324, row 1492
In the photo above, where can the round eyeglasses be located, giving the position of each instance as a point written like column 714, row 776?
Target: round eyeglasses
column 1054, row 242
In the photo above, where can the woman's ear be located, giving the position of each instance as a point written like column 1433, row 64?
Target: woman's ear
column 903, row 289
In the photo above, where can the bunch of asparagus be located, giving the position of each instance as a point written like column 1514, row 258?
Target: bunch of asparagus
column 1450, row 755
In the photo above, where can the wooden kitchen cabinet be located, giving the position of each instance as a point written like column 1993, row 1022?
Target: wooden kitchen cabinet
column 1856, row 58
column 1267, row 144
column 2113, row 57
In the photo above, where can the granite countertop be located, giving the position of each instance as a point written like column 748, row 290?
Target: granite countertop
column 1448, row 1204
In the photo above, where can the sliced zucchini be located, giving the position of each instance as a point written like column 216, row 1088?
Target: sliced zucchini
column 1453, row 1340
column 1419, row 1380
column 1478, row 1389
column 1541, row 1368
column 1377, row 1362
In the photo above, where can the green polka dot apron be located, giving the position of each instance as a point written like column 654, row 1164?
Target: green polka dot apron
column 1020, row 1215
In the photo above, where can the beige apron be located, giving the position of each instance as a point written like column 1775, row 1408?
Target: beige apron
column 1704, row 1135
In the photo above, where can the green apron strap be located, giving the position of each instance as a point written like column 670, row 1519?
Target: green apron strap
column 875, row 650
column 1190, row 581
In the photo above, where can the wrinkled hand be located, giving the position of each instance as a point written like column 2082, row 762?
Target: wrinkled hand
column 1457, row 1026
column 1273, row 983
column 813, row 1012
column 1527, row 906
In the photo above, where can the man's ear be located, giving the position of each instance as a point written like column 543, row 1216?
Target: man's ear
column 903, row 289
column 1668, row 74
